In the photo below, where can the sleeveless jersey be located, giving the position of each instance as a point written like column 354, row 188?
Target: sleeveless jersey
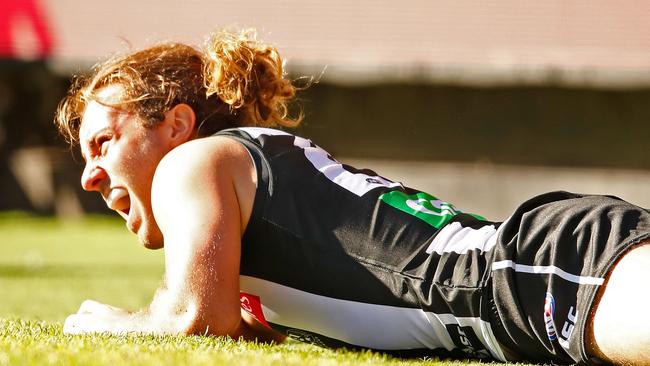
column 338, row 256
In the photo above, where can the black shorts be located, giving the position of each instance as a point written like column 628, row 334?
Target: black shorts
column 551, row 258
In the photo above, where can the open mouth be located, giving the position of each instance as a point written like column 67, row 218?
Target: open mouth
column 118, row 200
column 124, row 212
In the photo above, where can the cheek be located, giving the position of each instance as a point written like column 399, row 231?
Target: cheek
column 140, row 164
column 123, row 163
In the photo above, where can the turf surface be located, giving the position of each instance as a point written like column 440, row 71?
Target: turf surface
column 48, row 267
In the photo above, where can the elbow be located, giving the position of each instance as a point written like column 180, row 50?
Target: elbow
column 192, row 319
column 198, row 323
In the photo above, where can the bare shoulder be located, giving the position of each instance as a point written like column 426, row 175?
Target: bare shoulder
column 201, row 168
column 202, row 195
column 206, row 152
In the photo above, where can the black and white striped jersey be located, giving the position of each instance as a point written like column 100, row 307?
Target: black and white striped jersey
column 339, row 256
column 343, row 257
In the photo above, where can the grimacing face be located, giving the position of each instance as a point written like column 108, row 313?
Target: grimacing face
column 121, row 158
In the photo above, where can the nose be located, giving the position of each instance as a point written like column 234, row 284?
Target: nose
column 92, row 178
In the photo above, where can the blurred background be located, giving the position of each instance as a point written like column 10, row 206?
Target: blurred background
column 481, row 103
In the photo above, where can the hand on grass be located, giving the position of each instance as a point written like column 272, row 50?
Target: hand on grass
column 95, row 317
column 95, row 307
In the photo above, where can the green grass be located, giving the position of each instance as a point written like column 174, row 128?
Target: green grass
column 48, row 267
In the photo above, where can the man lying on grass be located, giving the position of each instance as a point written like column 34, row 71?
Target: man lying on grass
column 267, row 236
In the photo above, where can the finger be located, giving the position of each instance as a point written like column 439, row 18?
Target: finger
column 72, row 325
column 90, row 306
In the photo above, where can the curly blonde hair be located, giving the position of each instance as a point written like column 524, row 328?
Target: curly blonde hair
column 234, row 81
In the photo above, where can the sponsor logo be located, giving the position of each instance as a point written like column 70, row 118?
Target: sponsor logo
column 549, row 313
column 374, row 181
column 437, row 207
column 466, row 340
column 424, row 206
column 549, row 322
column 253, row 306
column 304, row 336
column 567, row 328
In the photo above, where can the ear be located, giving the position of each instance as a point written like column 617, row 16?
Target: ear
column 179, row 122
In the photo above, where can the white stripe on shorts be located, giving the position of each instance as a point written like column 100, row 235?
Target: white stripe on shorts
column 583, row 280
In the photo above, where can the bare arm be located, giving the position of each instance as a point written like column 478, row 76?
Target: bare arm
column 202, row 197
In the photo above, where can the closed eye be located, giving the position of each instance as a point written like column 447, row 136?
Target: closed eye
column 101, row 143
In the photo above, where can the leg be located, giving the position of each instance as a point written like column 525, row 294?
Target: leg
column 619, row 326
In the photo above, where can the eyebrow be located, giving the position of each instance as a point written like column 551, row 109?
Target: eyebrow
column 92, row 144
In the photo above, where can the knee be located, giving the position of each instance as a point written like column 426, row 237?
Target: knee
column 620, row 323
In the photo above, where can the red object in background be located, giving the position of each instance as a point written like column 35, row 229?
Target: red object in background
column 15, row 15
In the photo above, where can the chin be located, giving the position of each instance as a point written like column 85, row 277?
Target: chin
column 152, row 245
column 148, row 233
column 150, row 241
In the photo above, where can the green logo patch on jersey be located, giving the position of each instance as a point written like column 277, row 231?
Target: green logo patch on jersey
column 424, row 206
